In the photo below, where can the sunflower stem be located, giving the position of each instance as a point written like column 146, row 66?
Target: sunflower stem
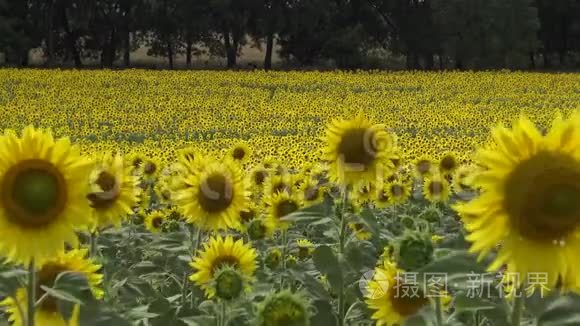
column 195, row 241
column 518, row 308
column 222, row 319
column 438, row 311
column 341, row 244
column 93, row 244
column 284, row 245
column 31, row 293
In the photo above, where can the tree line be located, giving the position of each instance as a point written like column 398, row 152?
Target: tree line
column 426, row 34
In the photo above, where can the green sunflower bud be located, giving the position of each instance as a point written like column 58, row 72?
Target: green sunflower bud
column 273, row 258
column 284, row 309
column 291, row 261
column 414, row 251
column 228, row 283
column 257, row 229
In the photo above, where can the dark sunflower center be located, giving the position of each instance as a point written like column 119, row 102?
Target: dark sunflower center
column 157, row 222
column 407, row 304
column 105, row 199
column 35, row 193
column 448, row 163
column 435, row 188
column 397, row 190
column 215, row 194
column 137, row 161
column 239, row 154
column 542, row 196
column 286, row 207
column 149, row 168
column 223, row 261
column 247, row 216
column 357, row 147
column 46, row 277
column 106, row 181
column 396, row 162
column 311, row 193
column 383, row 196
column 358, row 226
column 423, row 166
column 260, row 177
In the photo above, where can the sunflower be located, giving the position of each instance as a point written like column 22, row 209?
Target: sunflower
column 530, row 201
column 360, row 230
column 48, row 312
column 240, row 152
column 463, row 178
column 218, row 253
column 284, row 309
column 136, row 160
column 151, row 168
column 305, row 248
column 382, row 197
column 214, row 197
column 154, row 221
column 356, row 150
column 114, row 190
column 310, row 192
column 399, row 191
column 44, row 185
column 448, row 163
column 386, row 296
column 279, row 206
column 258, row 176
column 279, row 183
column 436, row 188
column 423, row 166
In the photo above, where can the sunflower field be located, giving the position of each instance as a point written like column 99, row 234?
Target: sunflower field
column 289, row 198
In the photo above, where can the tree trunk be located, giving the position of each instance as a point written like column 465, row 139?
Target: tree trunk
column 429, row 62
column 230, row 51
column 188, row 49
column 70, row 39
column 458, row 63
column 546, row 57
column 112, row 49
column 440, row 55
column 532, row 60
column 269, row 49
column 127, row 49
column 170, row 53
column 50, row 34
column 23, row 57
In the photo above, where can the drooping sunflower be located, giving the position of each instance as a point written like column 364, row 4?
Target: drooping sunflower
column 448, row 163
column 240, row 152
column 529, row 201
column 43, row 187
column 218, row 253
column 48, row 312
column 280, row 205
column 386, row 297
column 284, row 309
column 154, row 221
column 356, row 150
column 436, row 188
column 114, row 190
column 214, row 197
